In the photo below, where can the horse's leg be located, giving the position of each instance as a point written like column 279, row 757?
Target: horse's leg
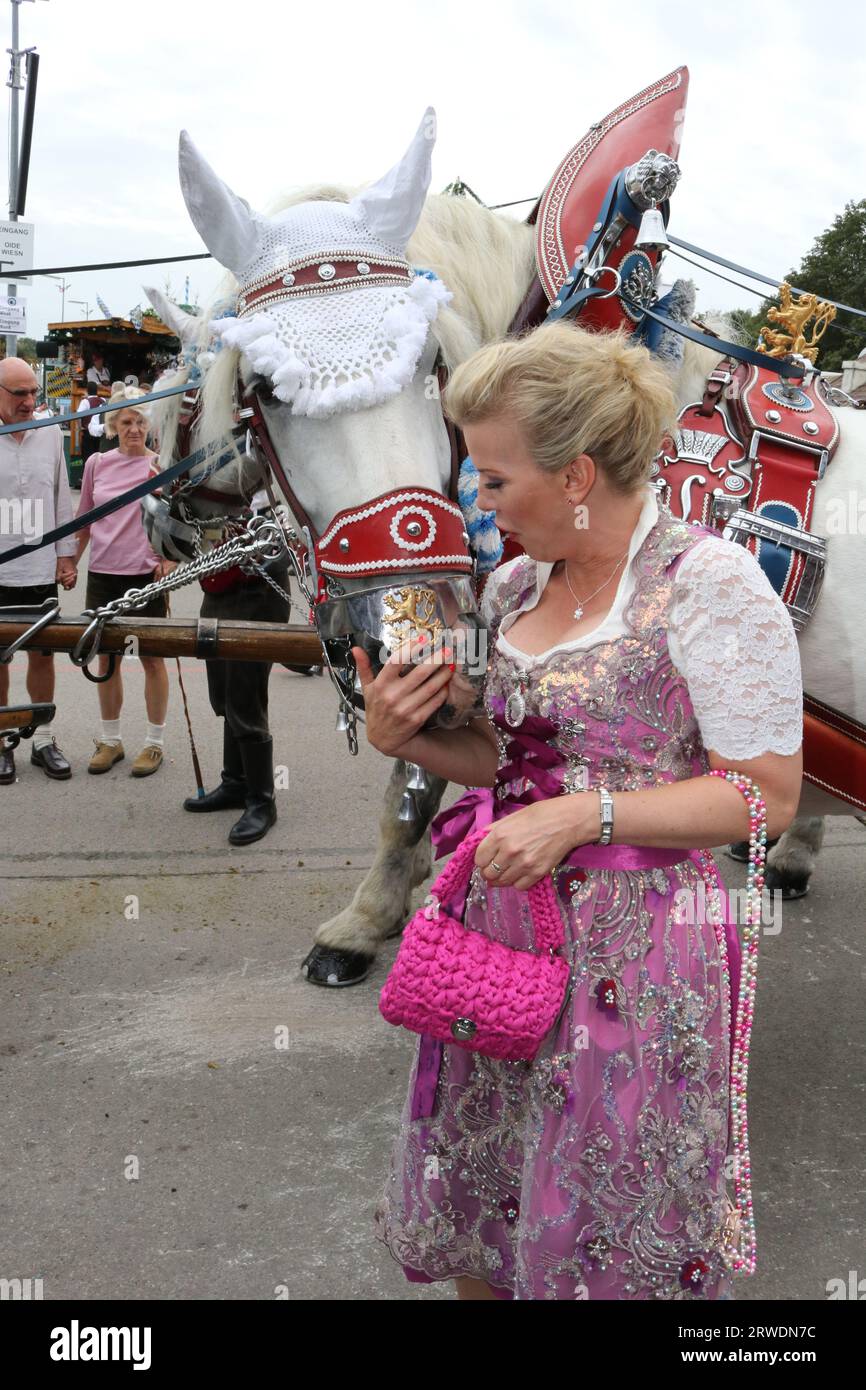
column 346, row 945
column 790, row 863
column 790, row 857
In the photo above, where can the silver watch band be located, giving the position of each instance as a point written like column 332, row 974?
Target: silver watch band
column 606, row 810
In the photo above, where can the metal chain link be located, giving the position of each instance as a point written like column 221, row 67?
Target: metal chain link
column 259, row 537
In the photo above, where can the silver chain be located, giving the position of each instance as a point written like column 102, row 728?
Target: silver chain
column 261, row 539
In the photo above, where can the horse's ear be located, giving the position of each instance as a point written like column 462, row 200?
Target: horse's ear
column 224, row 221
column 185, row 325
column 391, row 207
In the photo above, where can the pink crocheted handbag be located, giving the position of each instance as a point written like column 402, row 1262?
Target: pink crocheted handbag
column 460, row 987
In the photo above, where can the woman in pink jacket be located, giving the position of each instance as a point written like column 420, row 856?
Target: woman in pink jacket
column 121, row 559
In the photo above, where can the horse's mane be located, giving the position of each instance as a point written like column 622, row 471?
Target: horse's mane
column 484, row 258
column 699, row 361
column 487, row 261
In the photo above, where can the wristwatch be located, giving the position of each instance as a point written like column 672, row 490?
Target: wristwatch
column 606, row 809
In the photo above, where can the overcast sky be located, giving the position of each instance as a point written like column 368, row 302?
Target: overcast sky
column 279, row 94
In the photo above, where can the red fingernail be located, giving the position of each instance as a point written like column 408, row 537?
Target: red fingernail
column 451, row 666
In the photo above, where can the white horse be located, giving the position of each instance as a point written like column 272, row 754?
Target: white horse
column 356, row 450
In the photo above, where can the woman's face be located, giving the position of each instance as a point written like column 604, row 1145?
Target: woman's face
column 531, row 504
column 131, row 431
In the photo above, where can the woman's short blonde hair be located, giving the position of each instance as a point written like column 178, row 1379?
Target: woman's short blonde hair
column 571, row 392
column 129, row 394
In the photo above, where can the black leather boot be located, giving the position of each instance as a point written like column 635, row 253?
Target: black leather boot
column 261, row 807
column 232, row 790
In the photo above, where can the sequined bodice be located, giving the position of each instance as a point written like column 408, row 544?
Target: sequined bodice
column 617, row 714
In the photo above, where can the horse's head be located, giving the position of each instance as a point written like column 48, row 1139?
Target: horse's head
column 332, row 331
column 329, row 351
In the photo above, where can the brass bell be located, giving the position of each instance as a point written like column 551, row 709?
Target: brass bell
column 652, row 235
column 418, row 781
column 407, row 812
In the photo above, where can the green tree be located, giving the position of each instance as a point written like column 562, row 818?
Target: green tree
column 835, row 268
column 27, row 348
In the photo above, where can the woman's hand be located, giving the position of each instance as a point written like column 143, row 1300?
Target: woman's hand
column 527, row 844
column 163, row 567
column 398, row 705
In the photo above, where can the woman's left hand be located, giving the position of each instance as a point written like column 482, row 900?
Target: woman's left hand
column 530, row 843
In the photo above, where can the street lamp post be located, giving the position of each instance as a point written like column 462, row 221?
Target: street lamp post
column 85, row 304
column 15, row 84
column 63, row 287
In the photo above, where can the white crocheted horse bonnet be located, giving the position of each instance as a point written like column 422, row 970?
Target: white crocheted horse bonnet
column 329, row 309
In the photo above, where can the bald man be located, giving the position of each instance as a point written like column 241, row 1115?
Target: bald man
column 34, row 498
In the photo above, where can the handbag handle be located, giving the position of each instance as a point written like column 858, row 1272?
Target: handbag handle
column 546, row 917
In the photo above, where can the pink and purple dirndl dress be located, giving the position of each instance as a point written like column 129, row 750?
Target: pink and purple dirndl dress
column 598, row 1170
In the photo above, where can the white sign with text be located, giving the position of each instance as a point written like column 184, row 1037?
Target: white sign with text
column 16, row 250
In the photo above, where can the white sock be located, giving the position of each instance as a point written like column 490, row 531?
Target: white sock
column 155, row 734
column 111, row 731
column 43, row 736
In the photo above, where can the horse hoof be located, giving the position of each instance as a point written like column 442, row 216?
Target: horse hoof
column 791, row 886
column 335, row 969
column 740, row 850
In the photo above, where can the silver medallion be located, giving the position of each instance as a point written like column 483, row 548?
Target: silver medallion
column 515, row 709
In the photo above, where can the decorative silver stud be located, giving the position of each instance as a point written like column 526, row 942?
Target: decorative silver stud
column 414, row 528
column 288, row 278
column 363, row 268
column 557, row 303
column 597, row 227
column 810, row 427
column 343, row 545
column 569, row 279
column 326, row 271
column 464, row 1029
column 774, row 416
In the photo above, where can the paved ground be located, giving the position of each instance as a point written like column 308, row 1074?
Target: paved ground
column 146, row 966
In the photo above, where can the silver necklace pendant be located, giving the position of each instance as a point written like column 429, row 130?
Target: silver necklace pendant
column 578, row 612
column 515, row 709
column 515, row 705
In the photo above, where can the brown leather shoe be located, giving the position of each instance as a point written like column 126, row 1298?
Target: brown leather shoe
column 148, row 760
column 7, row 765
column 51, row 760
column 106, row 755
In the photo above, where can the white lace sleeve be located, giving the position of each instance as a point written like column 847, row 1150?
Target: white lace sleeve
column 732, row 638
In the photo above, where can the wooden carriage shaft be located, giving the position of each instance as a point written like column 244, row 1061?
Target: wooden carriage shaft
column 230, row 640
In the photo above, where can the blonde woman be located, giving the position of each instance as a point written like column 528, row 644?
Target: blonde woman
column 633, row 653
column 121, row 559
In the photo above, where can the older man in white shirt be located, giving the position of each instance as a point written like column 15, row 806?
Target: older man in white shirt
column 34, row 498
